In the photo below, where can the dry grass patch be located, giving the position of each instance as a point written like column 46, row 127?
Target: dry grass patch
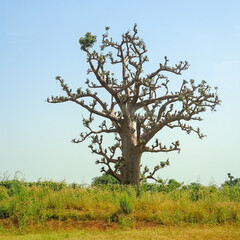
column 92, row 232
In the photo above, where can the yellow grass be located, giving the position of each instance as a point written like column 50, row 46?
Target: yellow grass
column 197, row 232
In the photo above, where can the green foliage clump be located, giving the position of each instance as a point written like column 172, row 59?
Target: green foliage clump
column 14, row 187
column 161, row 186
column 55, row 186
column 126, row 222
column 126, row 204
column 232, row 182
column 195, row 191
column 87, row 41
column 4, row 210
column 105, row 179
column 3, row 194
column 173, row 184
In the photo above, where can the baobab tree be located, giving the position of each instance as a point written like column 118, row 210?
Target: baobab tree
column 140, row 105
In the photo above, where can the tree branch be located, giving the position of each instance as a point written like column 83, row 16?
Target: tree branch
column 74, row 98
column 158, row 147
column 156, row 168
column 107, row 160
column 177, row 69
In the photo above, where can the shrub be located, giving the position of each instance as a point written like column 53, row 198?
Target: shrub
column 14, row 187
column 4, row 211
column 3, row 194
column 105, row 179
column 161, row 186
column 195, row 191
column 232, row 181
column 126, row 204
column 126, row 222
column 173, row 184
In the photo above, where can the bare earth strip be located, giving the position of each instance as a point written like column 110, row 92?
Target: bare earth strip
column 197, row 232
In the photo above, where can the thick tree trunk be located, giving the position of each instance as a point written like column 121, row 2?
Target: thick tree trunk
column 131, row 154
column 131, row 167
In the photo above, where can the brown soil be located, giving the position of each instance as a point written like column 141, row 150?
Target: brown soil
column 54, row 225
column 98, row 225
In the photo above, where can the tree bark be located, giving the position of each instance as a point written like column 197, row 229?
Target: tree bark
column 131, row 153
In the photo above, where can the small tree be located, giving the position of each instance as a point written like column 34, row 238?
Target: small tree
column 140, row 105
column 232, row 181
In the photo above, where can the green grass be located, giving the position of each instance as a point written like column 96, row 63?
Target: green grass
column 27, row 206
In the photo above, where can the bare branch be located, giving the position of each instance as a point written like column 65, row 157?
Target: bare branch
column 86, row 135
column 158, row 147
column 106, row 159
column 177, row 69
column 156, row 168
column 74, row 98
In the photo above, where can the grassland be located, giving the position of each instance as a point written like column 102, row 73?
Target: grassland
column 198, row 232
column 63, row 211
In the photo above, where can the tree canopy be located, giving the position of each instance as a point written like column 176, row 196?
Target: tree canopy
column 141, row 104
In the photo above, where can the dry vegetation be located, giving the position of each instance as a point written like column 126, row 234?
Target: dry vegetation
column 154, row 212
column 197, row 232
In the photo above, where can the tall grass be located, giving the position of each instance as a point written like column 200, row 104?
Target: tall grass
column 23, row 205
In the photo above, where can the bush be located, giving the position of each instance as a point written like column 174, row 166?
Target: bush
column 173, row 184
column 105, row 179
column 4, row 211
column 14, row 187
column 232, row 183
column 126, row 222
column 126, row 204
column 195, row 191
column 3, row 194
column 230, row 193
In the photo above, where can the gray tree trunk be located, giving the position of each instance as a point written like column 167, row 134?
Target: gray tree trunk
column 131, row 153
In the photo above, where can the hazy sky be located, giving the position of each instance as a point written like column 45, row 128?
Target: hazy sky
column 39, row 40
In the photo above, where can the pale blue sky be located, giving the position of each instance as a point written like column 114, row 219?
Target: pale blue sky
column 39, row 40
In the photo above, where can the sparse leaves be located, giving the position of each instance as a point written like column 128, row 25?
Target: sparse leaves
column 146, row 174
column 139, row 104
